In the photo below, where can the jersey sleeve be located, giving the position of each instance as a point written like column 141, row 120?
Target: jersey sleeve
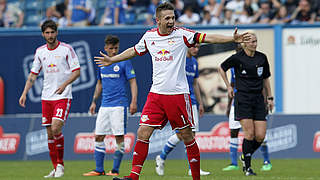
column 191, row 37
column 99, row 73
column 266, row 72
column 197, row 69
column 72, row 59
column 141, row 47
column 36, row 65
column 129, row 70
column 228, row 63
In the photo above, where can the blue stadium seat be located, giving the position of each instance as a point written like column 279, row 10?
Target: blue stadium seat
column 49, row 3
column 32, row 20
column 33, row 5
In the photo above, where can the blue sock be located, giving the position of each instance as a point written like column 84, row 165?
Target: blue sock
column 117, row 158
column 170, row 145
column 99, row 153
column 234, row 151
column 265, row 152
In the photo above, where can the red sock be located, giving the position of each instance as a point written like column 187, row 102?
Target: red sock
column 52, row 152
column 194, row 158
column 139, row 156
column 59, row 141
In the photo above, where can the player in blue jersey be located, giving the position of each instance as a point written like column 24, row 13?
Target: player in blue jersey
column 192, row 77
column 112, row 115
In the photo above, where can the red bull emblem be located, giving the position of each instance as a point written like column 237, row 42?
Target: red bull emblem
column 52, row 65
column 163, row 52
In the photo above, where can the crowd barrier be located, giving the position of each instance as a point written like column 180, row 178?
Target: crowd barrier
column 288, row 136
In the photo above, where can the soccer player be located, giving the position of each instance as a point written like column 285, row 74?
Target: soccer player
column 112, row 116
column 192, row 77
column 252, row 74
column 234, row 132
column 61, row 67
column 169, row 95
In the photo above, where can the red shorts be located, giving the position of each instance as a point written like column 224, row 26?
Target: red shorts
column 58, row 109
column 160, row 108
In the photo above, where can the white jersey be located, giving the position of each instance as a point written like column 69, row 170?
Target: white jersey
column 57, row 65
column 168, row 54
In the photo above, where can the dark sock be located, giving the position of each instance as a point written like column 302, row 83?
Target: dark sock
column 256, row 145
column 247, row 148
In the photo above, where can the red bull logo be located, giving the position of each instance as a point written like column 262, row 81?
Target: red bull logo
column 163, row 52
column 164, row 56
column 52, row 65
column 52, row 68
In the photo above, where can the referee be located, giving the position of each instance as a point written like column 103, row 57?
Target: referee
column 252, row 75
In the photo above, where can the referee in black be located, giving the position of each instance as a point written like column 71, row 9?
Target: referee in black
column 252, row 74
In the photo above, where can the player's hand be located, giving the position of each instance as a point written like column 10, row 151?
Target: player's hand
column 201, row 110
column 102, row 60
column 60, row 89
column 270, row 105
column 22, row 101
column 240, row 38
column 230, row 92
column 92, row 108
column 133, row 108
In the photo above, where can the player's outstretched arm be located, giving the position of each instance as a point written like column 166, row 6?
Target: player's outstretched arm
column 217, row 38
column 105, row 60
column 31, row 79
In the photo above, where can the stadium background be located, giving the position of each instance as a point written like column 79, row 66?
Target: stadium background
column 292, row 52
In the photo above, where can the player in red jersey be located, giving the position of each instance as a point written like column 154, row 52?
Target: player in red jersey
column 169, row 95
column 61, row 67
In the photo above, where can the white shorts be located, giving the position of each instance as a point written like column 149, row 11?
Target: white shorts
column 232, row 123
column 195, row 118
column 112, row 121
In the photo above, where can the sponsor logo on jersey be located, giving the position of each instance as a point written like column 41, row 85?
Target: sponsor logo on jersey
column 110, row 75
column 152, row 44
column 164, row 55
column 9, row 142
column 52, row 68
column 84, row 143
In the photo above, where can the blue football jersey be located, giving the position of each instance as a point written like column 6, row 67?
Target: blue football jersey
column 192, row 72
column 114, row 80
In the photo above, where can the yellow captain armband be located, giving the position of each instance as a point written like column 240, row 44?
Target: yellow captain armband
column 201, row 37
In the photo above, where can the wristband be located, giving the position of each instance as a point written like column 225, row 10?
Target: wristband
column 270, row 98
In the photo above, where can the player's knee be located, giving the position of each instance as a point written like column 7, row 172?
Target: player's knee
column 144, row 132
column 55, row 130
column 99, row 138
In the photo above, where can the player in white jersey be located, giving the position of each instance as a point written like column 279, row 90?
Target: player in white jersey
column 169, row 95
column 60, row 67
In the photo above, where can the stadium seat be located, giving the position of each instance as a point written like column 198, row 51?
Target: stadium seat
column 48, row 3
column 32, row 20
column 33, row 5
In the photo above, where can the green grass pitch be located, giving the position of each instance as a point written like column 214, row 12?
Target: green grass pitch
column 283, row 169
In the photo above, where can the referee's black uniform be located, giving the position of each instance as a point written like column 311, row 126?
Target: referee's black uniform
column 249, row 74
